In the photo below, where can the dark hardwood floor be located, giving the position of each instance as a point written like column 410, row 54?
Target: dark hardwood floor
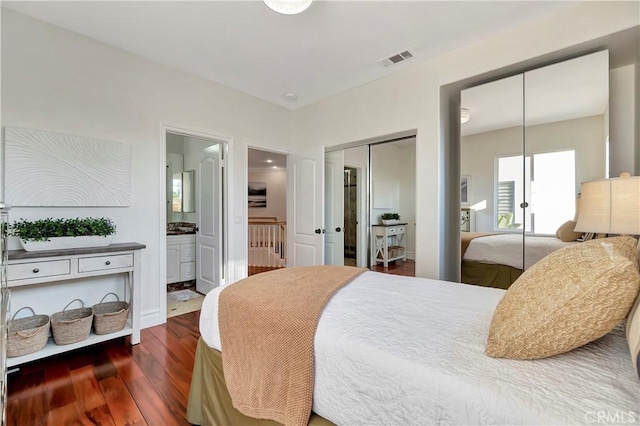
column 406, row 268
column 252, row 270
column 112, row 383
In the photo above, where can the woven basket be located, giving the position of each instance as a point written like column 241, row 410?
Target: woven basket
column 109, row 317
column 27, row 335
column 73, row 325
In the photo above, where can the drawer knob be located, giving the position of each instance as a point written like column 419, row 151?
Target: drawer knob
column 108, row 262
column 36, row 270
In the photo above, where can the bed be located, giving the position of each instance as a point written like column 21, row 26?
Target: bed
column 495, row 260
column 403, row 350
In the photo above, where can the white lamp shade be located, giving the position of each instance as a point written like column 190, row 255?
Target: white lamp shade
column 610, row 206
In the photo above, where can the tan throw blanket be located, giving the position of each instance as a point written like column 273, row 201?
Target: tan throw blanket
column 466, row 237
column 267, row 328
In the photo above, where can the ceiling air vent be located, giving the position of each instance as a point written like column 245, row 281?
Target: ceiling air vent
column 397, row 58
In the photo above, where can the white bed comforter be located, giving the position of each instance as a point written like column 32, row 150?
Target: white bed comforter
column 506, row 249
column 410, row 351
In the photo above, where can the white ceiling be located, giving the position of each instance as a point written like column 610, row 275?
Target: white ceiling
column 330, row 48
column 266, row 160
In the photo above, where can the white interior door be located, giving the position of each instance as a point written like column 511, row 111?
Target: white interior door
column 209, row 236
column 305, row 183
column 334, row 208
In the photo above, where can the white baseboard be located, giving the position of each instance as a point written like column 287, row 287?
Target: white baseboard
column 411, row 255
column 151, row 318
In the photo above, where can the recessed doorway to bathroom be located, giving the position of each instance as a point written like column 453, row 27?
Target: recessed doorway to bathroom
column 195, row 176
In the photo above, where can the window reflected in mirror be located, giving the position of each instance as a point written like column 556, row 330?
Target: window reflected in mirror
column 183, row 192
column 177, row 193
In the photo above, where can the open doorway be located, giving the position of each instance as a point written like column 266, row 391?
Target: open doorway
column 195, row 218
column 351, row 208
column 266, row 210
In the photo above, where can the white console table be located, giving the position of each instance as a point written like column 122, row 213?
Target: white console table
column 58, row 268
column 467, row 219
column 388, row 243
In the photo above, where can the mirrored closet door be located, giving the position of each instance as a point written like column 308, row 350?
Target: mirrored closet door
column 529, row 141
column 362, row 184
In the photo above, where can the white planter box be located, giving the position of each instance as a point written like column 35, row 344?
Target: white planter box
column 60, row 243
column 390, row 221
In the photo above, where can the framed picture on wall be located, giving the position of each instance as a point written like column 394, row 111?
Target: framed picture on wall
column 465, row 190
column 257, row 194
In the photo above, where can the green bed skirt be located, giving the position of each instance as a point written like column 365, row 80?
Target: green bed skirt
column 209, row 400
column 489, row 274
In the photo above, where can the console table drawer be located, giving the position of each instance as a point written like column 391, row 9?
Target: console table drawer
column 23, row 271
column 396, row 230
column 102, row 263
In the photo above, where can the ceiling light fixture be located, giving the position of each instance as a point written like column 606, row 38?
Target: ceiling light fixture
column 465, row 115
column 290, row 96
column 269, row 161
column 288, row 7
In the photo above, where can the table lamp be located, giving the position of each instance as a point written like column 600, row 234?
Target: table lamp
column 610, row 206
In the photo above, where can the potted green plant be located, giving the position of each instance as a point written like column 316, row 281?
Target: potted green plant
column 56, row 234
column 390, row 218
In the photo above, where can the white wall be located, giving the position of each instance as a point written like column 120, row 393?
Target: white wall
column 478, row 154
column 410, row 99
column 276, row 181
column 622, row 129
column 57, row 80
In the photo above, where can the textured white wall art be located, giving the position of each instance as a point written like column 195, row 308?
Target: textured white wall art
column 56, row 170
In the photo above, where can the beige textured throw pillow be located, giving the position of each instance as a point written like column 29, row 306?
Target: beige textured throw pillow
column 633, row 335
column 626, row 246
column 568, row 299
column 566, row 232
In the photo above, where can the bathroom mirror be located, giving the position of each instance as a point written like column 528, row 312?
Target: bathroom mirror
column 183, row 192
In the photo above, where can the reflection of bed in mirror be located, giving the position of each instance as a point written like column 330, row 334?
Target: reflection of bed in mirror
column 530, row 141
column 496, row 260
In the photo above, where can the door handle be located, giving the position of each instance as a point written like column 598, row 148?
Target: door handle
column 524, row 205
column 338, row 229
column 318, row 231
